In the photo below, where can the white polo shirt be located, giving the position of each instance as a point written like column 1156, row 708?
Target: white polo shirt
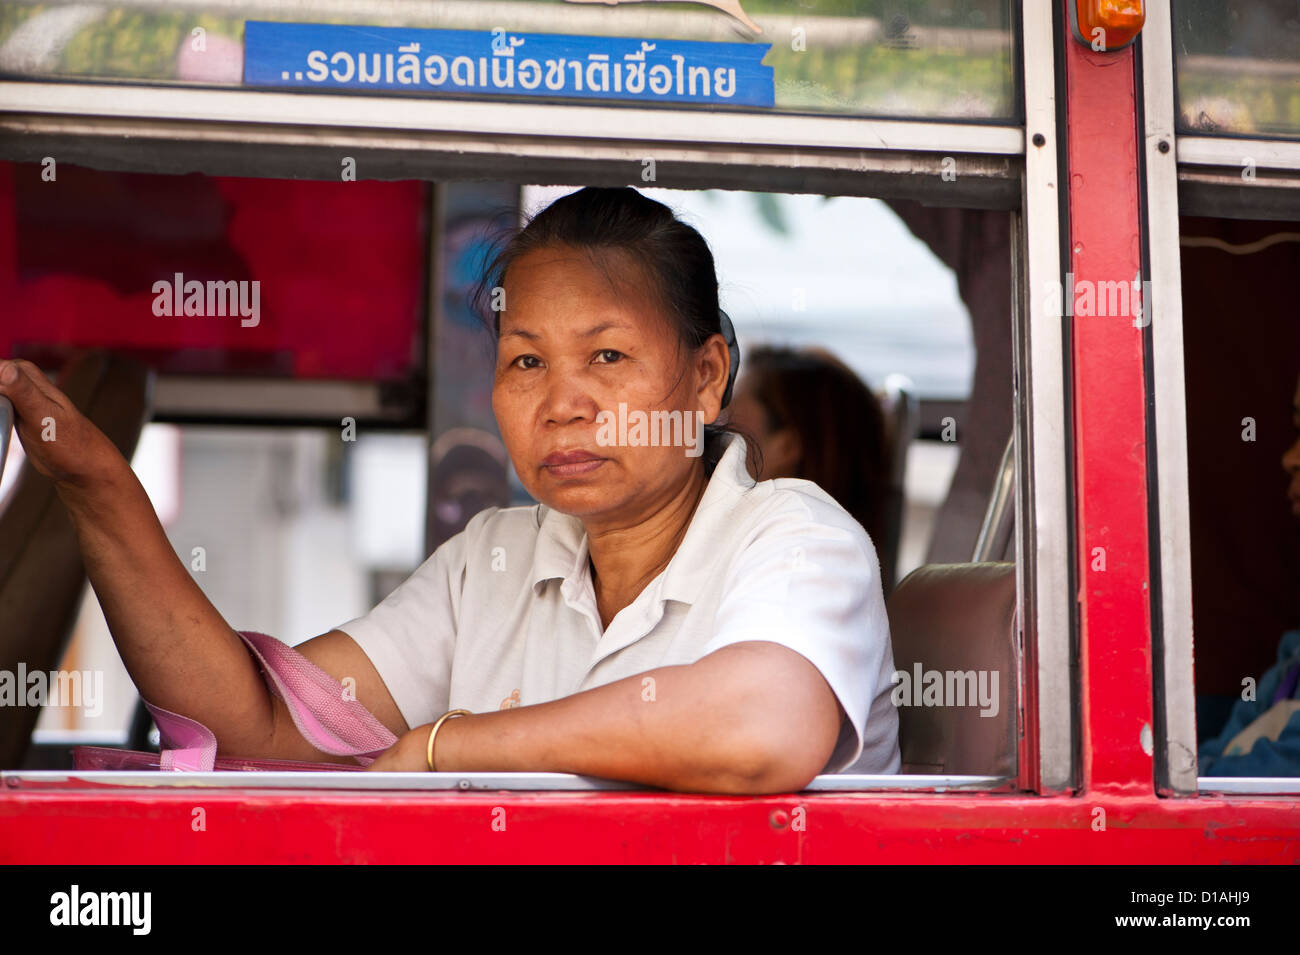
column 504, row 614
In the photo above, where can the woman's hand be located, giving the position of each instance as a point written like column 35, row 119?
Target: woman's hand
column 59, row 441
column 408, row 755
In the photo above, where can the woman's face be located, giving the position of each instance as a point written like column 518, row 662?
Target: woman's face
column 571, row 347
column 1291, row 459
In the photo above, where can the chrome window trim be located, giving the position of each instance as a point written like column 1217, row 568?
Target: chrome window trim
column 1174, row 695
column 485, row 117
column 1232, row 151
column 1250, row 785
column 45, row 780
column 902, row 782
column 195, row 397
column 1232, row 177
column 306, row 135
column 983, row 180
column 1043, row 549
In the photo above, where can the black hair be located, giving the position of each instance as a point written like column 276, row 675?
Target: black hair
column 840, row 424
column 670, row 262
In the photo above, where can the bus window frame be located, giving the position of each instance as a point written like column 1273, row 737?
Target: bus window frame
column 1049, row 757
column 1211, row 182
column 226, row 131
column 1171, row 591
column 1203, row 175
column 416, row 783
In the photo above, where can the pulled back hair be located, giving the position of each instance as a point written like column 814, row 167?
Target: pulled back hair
column 640, row 246
column 839, row 422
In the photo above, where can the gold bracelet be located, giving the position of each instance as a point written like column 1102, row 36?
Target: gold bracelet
column 436, row 726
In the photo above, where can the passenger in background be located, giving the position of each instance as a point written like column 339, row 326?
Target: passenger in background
column 469, row 474
column 1262, row 736
column 809, row 416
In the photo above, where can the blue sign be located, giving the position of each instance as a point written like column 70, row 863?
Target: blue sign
column 553, row 65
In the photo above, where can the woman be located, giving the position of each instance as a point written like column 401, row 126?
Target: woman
column 811, row 417
column 658, row 618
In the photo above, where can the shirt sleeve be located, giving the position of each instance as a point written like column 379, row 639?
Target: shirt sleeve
column 410, row 637
column 811, row 582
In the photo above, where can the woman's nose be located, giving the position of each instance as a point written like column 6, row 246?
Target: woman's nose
column 567, row 401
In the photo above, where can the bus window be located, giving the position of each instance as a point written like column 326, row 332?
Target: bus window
column 887, row 307
column 1219, row 79
column 1238, row 65
column 255, row 512
column 975, row 398
column 919, row 59
column 111, row 260
column 1244, row 490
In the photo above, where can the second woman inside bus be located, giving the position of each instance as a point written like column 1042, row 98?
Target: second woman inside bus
column 659, row 617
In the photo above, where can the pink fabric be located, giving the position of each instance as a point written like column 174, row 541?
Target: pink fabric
column 328, row 717
column 126, row 760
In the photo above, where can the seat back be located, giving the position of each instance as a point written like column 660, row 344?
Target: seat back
column 954, row 628
column 41, row 573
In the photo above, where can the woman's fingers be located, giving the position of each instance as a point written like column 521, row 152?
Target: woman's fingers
column 29, row 390
column 19, row 377
column 56, row 438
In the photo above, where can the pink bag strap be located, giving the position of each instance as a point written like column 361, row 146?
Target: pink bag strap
column 329, row 718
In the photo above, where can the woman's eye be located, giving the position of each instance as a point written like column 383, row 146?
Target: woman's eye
column 607, row 356
column 527, row 361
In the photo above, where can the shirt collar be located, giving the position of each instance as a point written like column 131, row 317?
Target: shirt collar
column 562, row 547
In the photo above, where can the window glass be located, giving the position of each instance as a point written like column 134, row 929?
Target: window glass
column 914, row 58
column 297, row 531
column 1243, row 459
column 847, row 276
column 204, row 275
column 286, row 530
column 1238, row 67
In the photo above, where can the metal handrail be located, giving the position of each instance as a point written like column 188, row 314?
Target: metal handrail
column 999, row 520
column 6, row 427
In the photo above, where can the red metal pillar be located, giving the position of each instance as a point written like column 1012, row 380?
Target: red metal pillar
column 1109, row 420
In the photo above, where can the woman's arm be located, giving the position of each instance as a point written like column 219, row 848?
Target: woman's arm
column 177, row 648
column 753, row 717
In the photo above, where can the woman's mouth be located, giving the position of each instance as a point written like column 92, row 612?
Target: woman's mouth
column 571, row 463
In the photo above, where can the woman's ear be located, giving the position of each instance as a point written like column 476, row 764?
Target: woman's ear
column 712, row 368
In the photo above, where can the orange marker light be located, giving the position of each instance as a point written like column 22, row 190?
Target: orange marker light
column 1107, row 25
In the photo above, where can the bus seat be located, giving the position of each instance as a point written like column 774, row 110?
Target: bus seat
column 41, row 572
column 956, row 618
